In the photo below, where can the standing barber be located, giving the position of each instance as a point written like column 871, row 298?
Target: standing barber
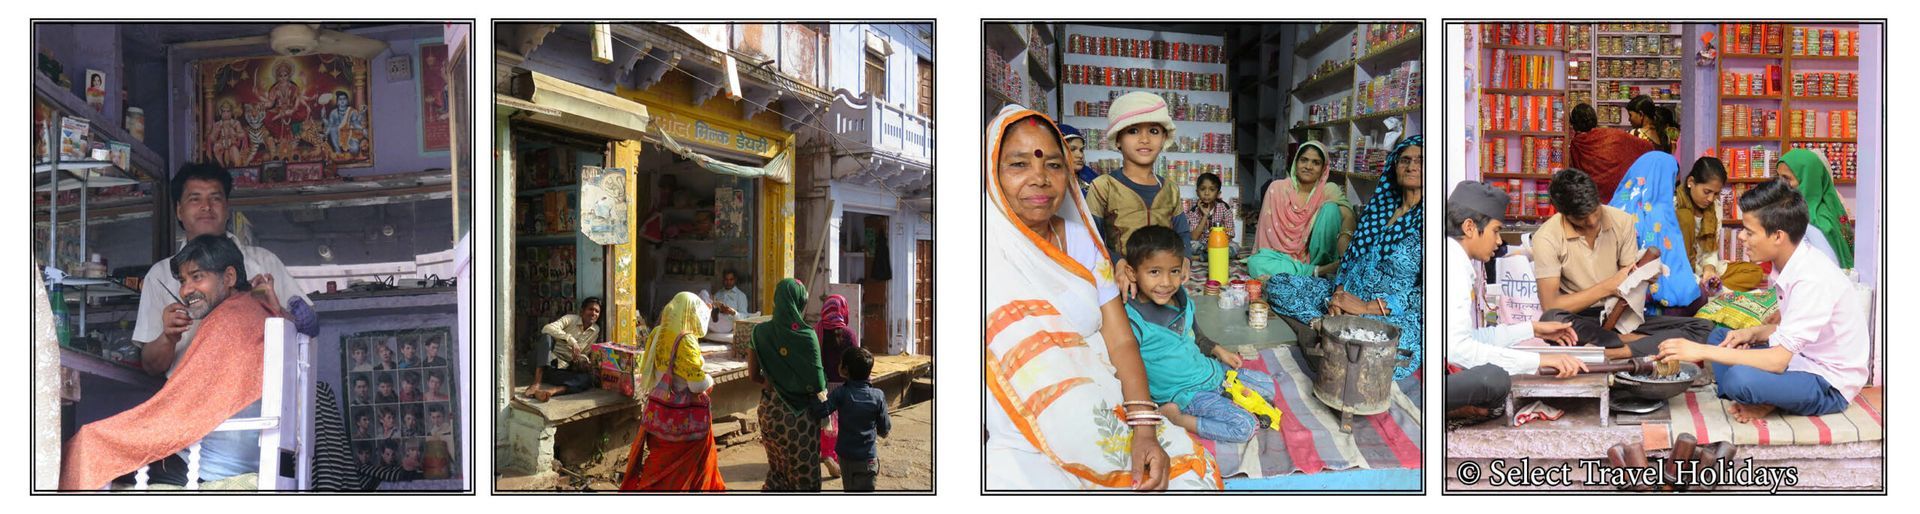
column 199, row 192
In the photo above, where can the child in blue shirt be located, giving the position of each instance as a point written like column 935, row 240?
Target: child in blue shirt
column 863, row 416
column 1180, row 376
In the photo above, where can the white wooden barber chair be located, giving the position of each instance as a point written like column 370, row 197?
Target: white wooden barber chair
column 284, row 426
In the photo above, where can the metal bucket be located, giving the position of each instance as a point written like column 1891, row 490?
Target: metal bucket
column 1356, row 374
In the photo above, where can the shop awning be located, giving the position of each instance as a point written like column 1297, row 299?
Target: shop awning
column 780, row 169
column 572, row 106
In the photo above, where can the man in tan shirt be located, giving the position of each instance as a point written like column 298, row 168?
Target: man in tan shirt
column 569, row 368
column 1581, row 255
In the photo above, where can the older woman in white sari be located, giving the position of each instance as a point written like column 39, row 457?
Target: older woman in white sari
column 1068, row 404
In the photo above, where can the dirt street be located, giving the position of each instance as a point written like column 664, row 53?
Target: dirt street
column 906, row 458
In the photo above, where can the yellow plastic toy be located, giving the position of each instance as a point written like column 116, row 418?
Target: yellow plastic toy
column 1247, row 399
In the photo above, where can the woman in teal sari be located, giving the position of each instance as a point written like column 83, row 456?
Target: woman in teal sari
column 1379, row 277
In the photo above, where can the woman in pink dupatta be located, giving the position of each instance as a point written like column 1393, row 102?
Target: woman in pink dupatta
column 834, row 339
column 1305, row 216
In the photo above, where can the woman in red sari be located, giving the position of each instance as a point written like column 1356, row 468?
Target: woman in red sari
column 1603, row 153
column 681, row 456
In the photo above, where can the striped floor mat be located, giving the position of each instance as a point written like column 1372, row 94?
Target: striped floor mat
column 1310, row 441
column 1702, row 413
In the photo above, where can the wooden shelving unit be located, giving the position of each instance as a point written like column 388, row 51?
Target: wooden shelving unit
column 1351, row 135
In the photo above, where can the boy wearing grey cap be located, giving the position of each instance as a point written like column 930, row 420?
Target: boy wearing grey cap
column 1485, row 355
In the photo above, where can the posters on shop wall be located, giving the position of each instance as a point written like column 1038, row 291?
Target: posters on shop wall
column 603, row 202
column 433, row 98
column 306, row 109
column 97, row 90
column 730, row 208
column 401, row 400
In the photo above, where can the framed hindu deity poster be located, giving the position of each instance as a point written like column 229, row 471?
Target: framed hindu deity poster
column 284, row 109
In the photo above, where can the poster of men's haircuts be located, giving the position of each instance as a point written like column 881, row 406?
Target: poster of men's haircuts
column 305, row 109
column 400, row 402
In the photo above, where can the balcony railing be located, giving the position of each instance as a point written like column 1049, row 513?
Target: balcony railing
column 882, row 127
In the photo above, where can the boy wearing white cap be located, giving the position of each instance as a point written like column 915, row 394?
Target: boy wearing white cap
column 1140, row 128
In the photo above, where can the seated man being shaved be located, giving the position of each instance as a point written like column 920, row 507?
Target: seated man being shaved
column 218, row 378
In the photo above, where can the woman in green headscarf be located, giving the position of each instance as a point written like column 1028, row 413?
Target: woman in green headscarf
column 786, row 362
column 1808, row 172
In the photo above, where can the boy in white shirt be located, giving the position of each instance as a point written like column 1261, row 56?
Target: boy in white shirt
column 1814, row 361
column 1485, row 353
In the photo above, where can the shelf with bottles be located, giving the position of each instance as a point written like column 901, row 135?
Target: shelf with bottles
column 1635, row 27
column 1815, row 43
column 1639, row 68
column 1530, row 156
column 1535, row 36
column 1001, row 80
column 1608, row 90
column 60, row 101
column 1406, row 43
column 1146, row 49
column 1637, row 45
column 1390, row 91
column 545, row 277
column 1183, row 107
column 1526, row 199
column 1842, row 158
column 1326, row 81
column 1326, row 35
column 1184, row 142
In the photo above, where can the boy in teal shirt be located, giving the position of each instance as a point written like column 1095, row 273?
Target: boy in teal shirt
column 1182, row 379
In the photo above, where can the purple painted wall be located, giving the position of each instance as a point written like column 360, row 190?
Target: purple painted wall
column 1868, row 194
column 565, row 55
column 79, row 48
column 327, row 361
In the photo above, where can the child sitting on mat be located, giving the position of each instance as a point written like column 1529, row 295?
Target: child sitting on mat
column 1814, row 361
column 1186, row 384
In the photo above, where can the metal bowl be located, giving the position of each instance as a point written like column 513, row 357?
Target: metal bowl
column 1626, row 385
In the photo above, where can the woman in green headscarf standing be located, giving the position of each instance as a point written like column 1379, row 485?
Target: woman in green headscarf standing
column 1809, row 173
column 786, row 362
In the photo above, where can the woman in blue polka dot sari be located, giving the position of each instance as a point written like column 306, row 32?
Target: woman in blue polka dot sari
column 1379, row 277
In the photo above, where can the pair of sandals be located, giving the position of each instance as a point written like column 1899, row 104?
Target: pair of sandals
column 1685, row 448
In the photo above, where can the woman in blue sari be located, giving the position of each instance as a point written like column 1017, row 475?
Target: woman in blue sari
column 1379, row 277
column 1647, row 193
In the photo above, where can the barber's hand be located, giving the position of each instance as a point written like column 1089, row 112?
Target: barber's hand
column 1568, row 365
column 1556, row 332
column 263, row 290
column 1150, row 461
column 174, row 321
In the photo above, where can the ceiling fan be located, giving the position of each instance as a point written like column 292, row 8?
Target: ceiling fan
column 296, row 39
